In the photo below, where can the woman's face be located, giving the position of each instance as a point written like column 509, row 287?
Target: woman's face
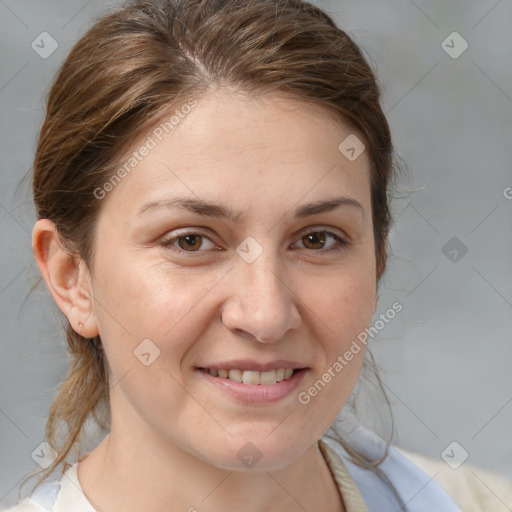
column 272, row 283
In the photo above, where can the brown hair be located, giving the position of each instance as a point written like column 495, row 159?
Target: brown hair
column 138, row 62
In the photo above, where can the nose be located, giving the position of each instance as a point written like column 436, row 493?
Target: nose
column 260, row 304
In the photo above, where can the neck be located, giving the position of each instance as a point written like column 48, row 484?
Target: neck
column 134, row 469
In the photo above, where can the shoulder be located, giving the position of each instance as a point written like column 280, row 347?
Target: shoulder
column 41, row 500
column 27, row 505
column 423, row 483
column 57, row 496
column 474, row 489
column 394, row 483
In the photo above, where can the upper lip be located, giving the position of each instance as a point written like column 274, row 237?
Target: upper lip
column 255, row 366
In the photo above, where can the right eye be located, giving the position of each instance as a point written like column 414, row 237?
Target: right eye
column 187, row 242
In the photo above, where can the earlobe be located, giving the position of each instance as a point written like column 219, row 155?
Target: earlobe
column 66, row 277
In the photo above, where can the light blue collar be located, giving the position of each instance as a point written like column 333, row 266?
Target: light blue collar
column 418, row 491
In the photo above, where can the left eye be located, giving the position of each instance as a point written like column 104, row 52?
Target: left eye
column 191, row 242
column 319, row 237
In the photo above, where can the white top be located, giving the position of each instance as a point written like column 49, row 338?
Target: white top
column 363, row 490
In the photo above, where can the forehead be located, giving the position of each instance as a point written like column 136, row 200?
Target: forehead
column 228, row 125
column 242, row 146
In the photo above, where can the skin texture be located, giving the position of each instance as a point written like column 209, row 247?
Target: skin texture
column 174, row 438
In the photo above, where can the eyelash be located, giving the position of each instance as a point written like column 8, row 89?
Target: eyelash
column 167, row 244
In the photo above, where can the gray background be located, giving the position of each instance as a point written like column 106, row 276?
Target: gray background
column 446, row 359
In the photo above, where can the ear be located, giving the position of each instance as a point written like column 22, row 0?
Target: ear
column 67, row 278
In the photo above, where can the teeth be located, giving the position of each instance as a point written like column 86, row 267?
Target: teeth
column 267, row 378
column 249, row 377
column 253, row 377
column 235, row 375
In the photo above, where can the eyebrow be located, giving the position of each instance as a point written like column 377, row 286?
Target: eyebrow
column 214, row 209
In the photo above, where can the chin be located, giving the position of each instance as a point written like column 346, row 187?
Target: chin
column 257, row 453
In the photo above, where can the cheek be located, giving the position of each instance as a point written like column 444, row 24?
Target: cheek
column 148, row 320
column 349, row 315
column 343, row 307
column 345, row 304
column 136, row 303
column 342, row 313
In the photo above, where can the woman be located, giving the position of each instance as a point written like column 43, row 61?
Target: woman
column 211, row 188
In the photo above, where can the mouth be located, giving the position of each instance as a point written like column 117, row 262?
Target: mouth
column 253, row 377
column 249, row 386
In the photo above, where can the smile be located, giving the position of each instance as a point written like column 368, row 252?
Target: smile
column 253, row 386
column 253, row 377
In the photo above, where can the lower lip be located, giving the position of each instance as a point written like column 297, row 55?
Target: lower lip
column 256, row 393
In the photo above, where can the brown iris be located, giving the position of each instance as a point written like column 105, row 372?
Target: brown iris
column 312, row 237
column 191, row 237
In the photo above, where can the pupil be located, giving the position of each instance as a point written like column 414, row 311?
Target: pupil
column 188, row 239
column 313, row 236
